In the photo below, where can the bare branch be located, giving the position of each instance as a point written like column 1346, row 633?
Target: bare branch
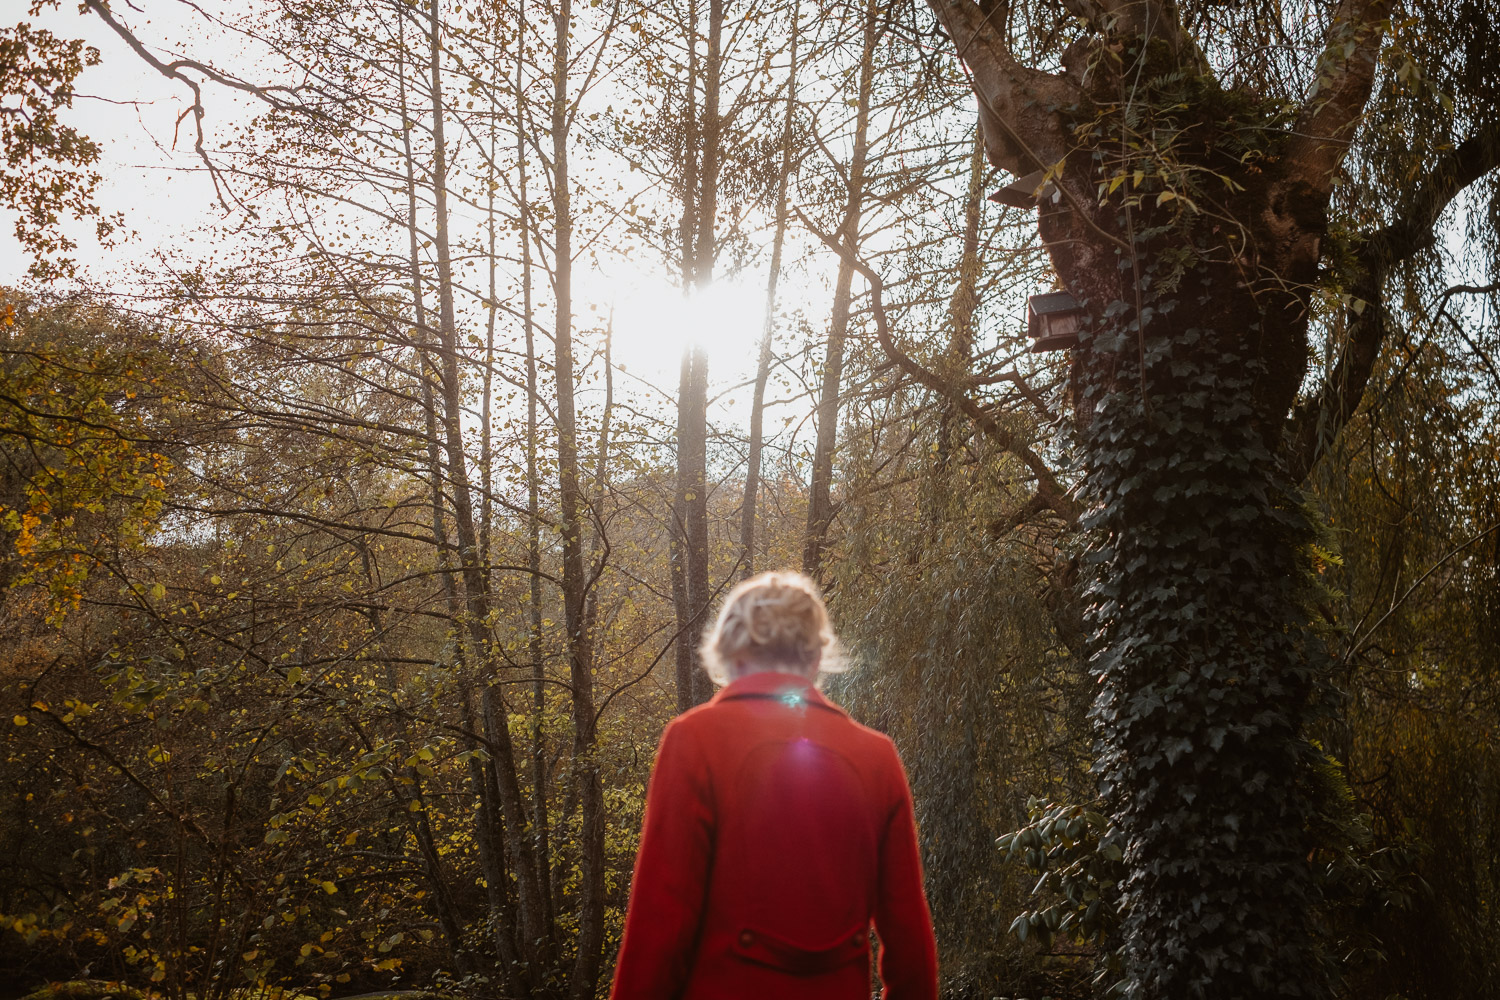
column 1443, row 313
column 1050, row 493
column 1396, row 605
column 1340, row 90
column 175, row 70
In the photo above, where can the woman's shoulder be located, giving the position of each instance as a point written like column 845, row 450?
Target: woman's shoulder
column 858, row 740
column 883, row 747
column 715, row 722
column 867, row 733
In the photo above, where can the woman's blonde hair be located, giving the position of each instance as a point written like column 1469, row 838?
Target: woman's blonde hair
column 775, row 619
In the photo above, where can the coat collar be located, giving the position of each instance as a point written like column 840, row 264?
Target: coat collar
column 794, row 689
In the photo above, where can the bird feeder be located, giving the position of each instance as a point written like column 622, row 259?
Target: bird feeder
column 1027, row 192
column 1052, row 321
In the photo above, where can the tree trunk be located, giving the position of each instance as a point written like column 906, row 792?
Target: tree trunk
column 961, row 308
column 476, row 596
column 599, row 547
column 763, row 366
column 1202, row 645
column 589, row 956
column 819, row 500
column 699, row 250
column 1193, row 346
column 491, row 306
column 690, row 528
column 540, row 819
column 488, row 829
column 706, row 246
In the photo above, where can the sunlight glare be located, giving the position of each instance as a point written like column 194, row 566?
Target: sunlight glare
column 654, row 323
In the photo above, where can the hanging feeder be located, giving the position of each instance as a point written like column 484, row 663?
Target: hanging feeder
column 1052, row 321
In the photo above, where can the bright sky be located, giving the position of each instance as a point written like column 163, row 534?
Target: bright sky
column 152, row 175
column 131, row 111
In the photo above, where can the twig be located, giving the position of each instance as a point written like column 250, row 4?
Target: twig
column 1050, row 492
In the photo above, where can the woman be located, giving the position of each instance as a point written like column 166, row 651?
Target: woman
column 777, row 830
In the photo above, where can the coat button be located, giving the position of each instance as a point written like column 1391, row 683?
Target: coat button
column 746, row 939
column 859, row 940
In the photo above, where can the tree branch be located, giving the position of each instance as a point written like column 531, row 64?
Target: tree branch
column 1442, row 313
column 1415, row 228
column 1050, row 493
column 1396, row 605
column 174, row 71
column 1017, row 105
column 1316, row 422
column 1332, row 107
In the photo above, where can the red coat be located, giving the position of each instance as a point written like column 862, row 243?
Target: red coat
column 776, row 830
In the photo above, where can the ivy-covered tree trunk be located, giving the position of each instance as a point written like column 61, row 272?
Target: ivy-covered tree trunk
column 1201, row 646
column 1197, row 560
column 1188, row 220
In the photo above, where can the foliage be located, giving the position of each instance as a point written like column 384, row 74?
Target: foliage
column 1194, row 171
column 1409, row 499
column 48, row 165
column 87, row 394
column 1075, row 851
column 946, row 614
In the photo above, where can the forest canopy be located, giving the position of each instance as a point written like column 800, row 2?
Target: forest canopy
column 356, row 544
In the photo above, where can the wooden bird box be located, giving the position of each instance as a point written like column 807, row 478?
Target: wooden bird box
column 1052, row 321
